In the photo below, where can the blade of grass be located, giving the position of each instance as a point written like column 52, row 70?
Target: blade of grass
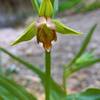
column 25, row 63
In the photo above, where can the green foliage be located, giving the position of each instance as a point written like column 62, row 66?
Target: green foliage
column 89, row 94
column 9, row 90
column 84, row 45
column 68, row 4
column 85, row 61
column 82, row 60
column 56, row 89
column 25, row 63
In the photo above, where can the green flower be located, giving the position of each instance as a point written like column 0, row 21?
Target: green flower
column 45, row 28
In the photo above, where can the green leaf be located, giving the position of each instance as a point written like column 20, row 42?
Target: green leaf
column 25, row 63
column 61, row 28
column 85, row 61
column 9, row 90
column 29, row 33
column 84, row 46
column 56, row 91
column 55, row 88
column 46, row 9
column 80, row 65
column 86, row 57
column 85, row 64
column 89, row 94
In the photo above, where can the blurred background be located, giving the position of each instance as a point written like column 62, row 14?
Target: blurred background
column 81, row 15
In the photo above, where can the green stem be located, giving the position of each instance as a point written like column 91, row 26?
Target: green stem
column 48, row 74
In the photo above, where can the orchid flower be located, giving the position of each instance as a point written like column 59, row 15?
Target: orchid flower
column 45, row 27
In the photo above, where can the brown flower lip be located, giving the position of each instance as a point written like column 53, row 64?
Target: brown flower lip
column 46, row 32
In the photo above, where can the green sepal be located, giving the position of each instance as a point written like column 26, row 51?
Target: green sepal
column 61, row 28
column 36, row 4
column 46, row 9
column 29, row 33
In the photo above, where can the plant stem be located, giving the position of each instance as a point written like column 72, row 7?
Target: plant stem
column 48, row 74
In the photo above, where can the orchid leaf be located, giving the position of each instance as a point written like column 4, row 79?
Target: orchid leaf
column 9, row 90
column 61, row 28
column 29, row 33
column 89, row 94
column 25, row 63
column 86, row 63
column 88, row 56
column 46, row 9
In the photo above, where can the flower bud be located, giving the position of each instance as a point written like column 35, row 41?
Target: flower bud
column 46, row 9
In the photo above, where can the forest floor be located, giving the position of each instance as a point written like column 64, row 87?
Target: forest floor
column 63, row 50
